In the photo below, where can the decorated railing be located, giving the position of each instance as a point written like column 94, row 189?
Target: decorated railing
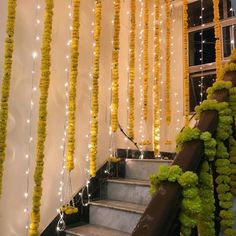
column 195, row 194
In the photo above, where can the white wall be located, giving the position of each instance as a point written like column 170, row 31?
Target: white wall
column 12, row 204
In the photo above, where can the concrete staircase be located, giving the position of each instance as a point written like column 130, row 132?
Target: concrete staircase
column 123, row 203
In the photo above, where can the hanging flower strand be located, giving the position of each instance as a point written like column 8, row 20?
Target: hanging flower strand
column 156, row 87
column 131, row 69
column 145, row 60
column 186, row 72
column 115, row 68
column 9, row 44
column 218, row 42
column 167, row 90
column 73, row 86
column 42, row 120
column 95, row 90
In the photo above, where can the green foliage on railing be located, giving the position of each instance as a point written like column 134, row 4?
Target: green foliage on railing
column 217, row 157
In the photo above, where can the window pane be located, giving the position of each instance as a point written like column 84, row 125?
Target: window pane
column 229, row 33
column 194, row 12
column 231, row 7
column 198, row 87
column 201, row 47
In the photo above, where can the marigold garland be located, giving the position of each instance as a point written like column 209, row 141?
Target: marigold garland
column 186, row 72
column 218, row 42
column 145, row 59
column 42, row 120
column 131, row 69
column 168, row 54
column 9, row 44
column 95, row 90
column 115, row 67
column 156, row 86
column 73, row 86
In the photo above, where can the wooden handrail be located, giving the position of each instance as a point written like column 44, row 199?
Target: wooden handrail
column 160, row 216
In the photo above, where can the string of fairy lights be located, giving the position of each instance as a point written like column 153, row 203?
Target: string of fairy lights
column 85, row 193
column 140, row 74
column 65, row 192
column 29, row 120
column 61, row 191
column 174, row 68
column 201, row 52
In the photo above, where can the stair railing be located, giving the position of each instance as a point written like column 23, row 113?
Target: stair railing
column 161, row 215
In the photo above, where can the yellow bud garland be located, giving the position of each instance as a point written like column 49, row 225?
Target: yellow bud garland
column 95, row 90
column 73, row 86
column 218, row 42
column 186, row 72
column 145, row 60
column 9, row 44
column 42, row 119
column 156, row 86
column 167, row 88
column 131, row 69
column 115, row 67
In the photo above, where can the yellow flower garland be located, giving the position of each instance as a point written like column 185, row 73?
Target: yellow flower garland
column 72, row 87
column 131, row 69
column 95, row 90
column 42, row 120
column 156, row 86
column 186, row 72
column 145, row 60
column 218, row 42
column 167, row 88
column 9, row 44
column 115, row 67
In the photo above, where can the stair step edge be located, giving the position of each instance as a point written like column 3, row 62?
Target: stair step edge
column 89, row 229
column 130, row 182
column 149, row 160
column 122, row 206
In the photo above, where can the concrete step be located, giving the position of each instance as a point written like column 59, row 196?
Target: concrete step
column 129, row 190
column 118, row 215
column 143, row 168
column 94, row 230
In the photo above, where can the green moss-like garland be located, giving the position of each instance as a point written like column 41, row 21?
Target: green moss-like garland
column 206, row 193
column 225, row 116
column 191, row 204
column 222, row 163
column 165, row 174
column 232, row 153
column 232, row 100
column 218, row 85
column 9, row 44
column 189, row 134
column 42, row 120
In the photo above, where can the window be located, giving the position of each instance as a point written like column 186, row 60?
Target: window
column 202, row 45
column 229, row 36
column 199, row 83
